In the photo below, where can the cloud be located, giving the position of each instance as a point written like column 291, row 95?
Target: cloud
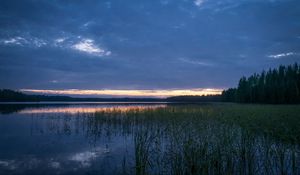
column 278, row 56
column 88, row 46
column 24, row 41
column 83, row 45
column 143, row 42
column 11, row 165
column 38, row 42
column 14, row 41
column 87, row 24
column 195, row 62
column 60, row 40
column 198, row 2
column 54, row 165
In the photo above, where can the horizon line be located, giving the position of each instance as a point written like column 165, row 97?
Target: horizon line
column 160, row 93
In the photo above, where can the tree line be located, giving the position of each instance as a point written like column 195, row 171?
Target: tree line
column 275, row 86
column 195, row 99
column 7, row 95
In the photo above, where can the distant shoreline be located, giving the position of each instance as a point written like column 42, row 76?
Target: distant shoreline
column 87, row 102
column 11, row 96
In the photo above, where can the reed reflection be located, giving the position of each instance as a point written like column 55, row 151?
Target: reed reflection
column 188, row 139
column 72, row 109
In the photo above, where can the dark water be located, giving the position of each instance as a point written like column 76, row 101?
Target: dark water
column 55, row 139
column 145, row 138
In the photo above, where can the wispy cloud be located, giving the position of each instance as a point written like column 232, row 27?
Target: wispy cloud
column 85, row 45
column 38, row 42
column 24, row 41
column 88, row 46
column 281, row 55
column 14, row 41
column 87, row 24
column 60, row 40
column 199, row 2
column 9, row 164
column 186, row 60
column 129, row 93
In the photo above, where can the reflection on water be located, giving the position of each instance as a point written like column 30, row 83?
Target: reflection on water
column 134, row 139
column 59, row 139
column 87, row 109
column 74, row 107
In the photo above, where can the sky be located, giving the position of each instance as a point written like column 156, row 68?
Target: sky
column 155, row 47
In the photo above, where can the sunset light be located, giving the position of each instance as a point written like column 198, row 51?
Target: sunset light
column 142, row 87
column 127, row 93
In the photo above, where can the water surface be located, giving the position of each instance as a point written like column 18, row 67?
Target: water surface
column 148, row 138
column 52, row 138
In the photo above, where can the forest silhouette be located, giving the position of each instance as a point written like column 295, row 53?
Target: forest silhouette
column 276, row 86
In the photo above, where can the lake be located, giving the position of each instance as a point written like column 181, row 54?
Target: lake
column 148, row 138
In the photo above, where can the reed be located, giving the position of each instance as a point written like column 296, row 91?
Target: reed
column 201, row 139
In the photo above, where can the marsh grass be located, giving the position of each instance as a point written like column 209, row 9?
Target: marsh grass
column 201, row 139
column 230, row 139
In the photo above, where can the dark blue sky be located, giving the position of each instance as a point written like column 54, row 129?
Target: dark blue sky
column 143, row 44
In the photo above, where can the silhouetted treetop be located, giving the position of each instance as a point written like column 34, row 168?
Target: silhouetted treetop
column 276, row 86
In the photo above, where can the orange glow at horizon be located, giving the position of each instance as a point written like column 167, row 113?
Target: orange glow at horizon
column 76, row 110
column 129, row 93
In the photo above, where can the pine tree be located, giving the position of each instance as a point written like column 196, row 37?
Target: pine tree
column 275, row 86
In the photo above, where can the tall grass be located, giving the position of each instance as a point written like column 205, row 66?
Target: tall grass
column 204, row 139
